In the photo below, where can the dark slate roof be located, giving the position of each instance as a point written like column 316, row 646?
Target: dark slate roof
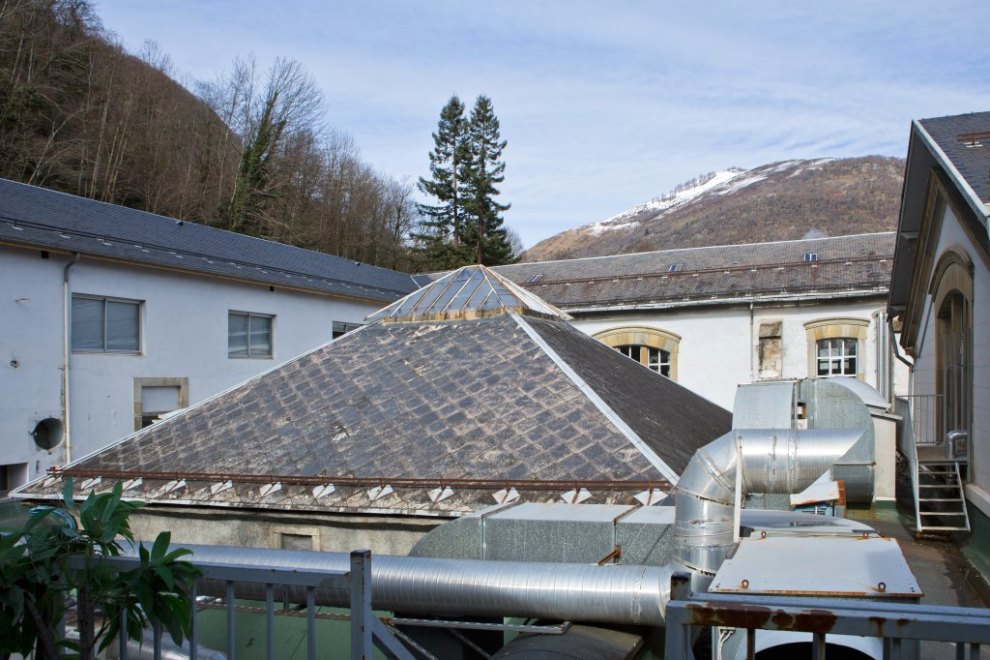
column 47, row 219
column 841, row 266
column 965, row 141
column 410, row 409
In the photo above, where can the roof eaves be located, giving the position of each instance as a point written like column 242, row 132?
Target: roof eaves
column 598, row 402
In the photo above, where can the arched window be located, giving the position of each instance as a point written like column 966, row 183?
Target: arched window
column 650, row 347
column 952, row 295
column 836, row 347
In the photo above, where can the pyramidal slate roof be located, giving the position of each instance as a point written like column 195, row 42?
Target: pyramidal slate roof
column 423, row 417
column 51, row 220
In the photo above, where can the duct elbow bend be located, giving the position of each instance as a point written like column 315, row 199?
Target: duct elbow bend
column 772, row 461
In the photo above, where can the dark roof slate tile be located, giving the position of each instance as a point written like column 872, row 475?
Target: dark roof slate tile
column 53, row 220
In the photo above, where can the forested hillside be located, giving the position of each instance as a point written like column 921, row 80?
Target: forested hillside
column 251, row 151
column 780, row 201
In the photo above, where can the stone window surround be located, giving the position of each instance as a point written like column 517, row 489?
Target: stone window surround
column 140, row 383
column 836, row 328
column 643, row 336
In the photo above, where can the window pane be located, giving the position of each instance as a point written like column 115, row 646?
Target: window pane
column 87, row 324
column 260, row 335
column 122, row 326
column 237, row 335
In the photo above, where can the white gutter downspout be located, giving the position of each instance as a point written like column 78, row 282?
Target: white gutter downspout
column 65, row 358
column 752, row 347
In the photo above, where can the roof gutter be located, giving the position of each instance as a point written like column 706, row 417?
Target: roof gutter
column 66, row 409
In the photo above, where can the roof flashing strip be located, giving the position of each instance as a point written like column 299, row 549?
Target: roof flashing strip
column 599, row 403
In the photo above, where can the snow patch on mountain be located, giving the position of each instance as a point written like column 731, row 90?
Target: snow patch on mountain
column 680, row 195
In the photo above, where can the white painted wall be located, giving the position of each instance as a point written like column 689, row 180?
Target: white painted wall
column 184, row 334
column 719, row 351
column 923, row 375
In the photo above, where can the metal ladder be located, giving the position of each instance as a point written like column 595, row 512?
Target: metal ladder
column 939, row 500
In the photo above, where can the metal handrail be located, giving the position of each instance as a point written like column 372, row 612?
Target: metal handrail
column 367, row 630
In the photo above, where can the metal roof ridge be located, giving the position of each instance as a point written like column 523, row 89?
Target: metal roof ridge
column 599, row 403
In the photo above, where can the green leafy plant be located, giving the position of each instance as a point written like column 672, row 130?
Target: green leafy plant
column 50, row 560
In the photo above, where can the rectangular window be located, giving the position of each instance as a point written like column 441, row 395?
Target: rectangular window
column 249, row 335
column 837, row 357
column 341, row 328
column 107, row 325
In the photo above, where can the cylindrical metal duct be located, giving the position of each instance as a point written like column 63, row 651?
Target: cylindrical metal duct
column 634, row 595
column 773, row 461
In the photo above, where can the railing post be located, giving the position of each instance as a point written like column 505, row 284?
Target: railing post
column 677, row 643
column 231, row 636
column 361, row 613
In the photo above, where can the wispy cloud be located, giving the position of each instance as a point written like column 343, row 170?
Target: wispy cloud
column 604, row 105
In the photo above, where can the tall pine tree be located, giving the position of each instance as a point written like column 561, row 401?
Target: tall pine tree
column 440, row 238
column 485, row 232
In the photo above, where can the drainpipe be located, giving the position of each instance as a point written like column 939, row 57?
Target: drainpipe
column 752, row 348
column 65, row 357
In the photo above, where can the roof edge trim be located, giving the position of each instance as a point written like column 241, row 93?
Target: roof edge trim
column 950, row 167
column 598, row 402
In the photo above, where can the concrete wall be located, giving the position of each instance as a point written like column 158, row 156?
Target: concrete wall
column 389, row 535
column 183, row 336
column 719, row 347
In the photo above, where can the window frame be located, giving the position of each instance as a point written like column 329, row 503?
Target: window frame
column 139, row 330
column 837, row 359
column 271, row 335
column 646, row 338
column 838, row 328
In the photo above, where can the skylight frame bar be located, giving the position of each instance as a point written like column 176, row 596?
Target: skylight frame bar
column 459, row 295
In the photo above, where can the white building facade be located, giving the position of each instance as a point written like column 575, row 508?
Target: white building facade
column 713, row 318
column 941, row 293
column 110, row 318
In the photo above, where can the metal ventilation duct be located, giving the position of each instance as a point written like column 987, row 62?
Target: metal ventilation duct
column 631, row 595
column 768, row 461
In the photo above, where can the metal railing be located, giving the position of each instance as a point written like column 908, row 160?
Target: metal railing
column 926, row 411
column 366, row 629
column 897, row 625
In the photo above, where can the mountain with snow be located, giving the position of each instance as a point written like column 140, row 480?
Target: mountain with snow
column 780, row 201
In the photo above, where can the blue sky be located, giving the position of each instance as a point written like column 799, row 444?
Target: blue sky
column 605, row 105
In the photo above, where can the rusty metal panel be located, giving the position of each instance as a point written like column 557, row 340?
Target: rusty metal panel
column 859, row 566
